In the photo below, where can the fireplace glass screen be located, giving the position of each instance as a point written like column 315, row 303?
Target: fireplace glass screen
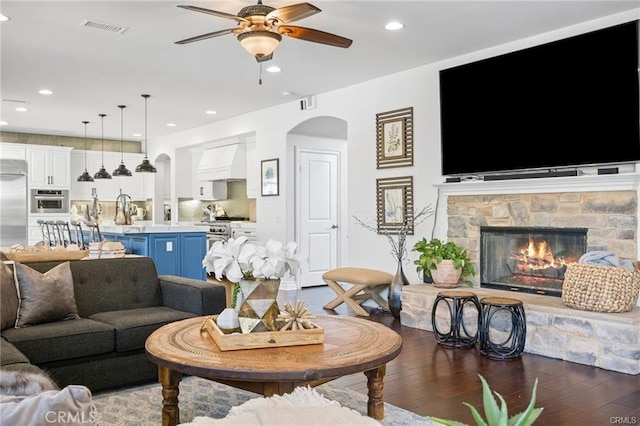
column 529, row 259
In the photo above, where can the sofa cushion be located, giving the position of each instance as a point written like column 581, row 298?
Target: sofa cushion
column 133, row 326
column 9, row 354
column 105, row 285
column 8, row 297
column 62, row 340
column 45, row 297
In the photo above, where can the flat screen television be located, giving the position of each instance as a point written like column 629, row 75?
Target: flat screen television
column 569, row 103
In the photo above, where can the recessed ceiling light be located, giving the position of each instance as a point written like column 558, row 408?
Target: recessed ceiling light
column 3, row 123
column 393, row 26
column 274, row 68
column 211, row 112
column 136, row 134
column 171, row 124
column 286, row 93
column 4, row 18
column 21, row 109
column 45, row 92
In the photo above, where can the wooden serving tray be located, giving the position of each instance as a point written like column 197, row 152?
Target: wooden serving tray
column 47, row 256
column 268, row 339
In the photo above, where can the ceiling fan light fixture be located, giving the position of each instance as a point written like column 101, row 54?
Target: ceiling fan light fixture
column 259, row 43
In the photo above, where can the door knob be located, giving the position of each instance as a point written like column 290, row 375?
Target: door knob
column 334, row 226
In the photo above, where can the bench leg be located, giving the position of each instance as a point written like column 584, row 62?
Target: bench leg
column 345, row 296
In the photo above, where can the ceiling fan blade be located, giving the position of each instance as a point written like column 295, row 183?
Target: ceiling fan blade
column 214, row 13
column 265, row 58
column 316, row 36
column 209, row 35
column 292, row 13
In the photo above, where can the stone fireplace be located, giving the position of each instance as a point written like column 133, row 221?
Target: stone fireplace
column 606, row 206
column 527, row 258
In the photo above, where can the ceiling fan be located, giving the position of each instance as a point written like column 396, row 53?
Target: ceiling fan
column 261, row 28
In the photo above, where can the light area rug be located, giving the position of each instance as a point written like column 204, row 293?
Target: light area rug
column 142, row 405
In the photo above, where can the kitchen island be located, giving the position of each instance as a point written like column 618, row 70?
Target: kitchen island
column 175, row 249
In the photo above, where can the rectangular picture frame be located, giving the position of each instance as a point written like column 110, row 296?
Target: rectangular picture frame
column 394, row 134
column 269, row 177
column 394, row 198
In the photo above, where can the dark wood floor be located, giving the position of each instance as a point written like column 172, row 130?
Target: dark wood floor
column 431, row 380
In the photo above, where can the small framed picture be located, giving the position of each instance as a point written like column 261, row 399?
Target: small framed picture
column 395, row 204
column 270, row 178
column 394, row 138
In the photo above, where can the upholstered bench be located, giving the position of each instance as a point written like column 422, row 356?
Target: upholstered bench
column 365, row 284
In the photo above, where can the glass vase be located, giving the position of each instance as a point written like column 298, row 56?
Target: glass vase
column 395, row 291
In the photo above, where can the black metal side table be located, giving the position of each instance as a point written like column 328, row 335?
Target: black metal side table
column 459, row 335
column 508, row 318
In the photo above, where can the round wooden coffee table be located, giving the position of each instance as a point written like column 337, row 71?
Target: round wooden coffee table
column 351, row 345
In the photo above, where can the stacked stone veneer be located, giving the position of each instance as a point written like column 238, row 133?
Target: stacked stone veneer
column 611, row 217
column 607, row 340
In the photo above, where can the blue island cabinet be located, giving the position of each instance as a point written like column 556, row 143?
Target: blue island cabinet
column 178, row 253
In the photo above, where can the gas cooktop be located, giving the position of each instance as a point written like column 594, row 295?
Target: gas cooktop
column 226, row 219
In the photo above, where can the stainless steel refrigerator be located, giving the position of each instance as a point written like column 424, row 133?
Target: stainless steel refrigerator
column 13, row 202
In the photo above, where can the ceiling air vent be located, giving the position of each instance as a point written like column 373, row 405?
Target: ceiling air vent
column 103, row 26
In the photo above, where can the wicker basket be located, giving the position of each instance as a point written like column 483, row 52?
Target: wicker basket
column 600, row 288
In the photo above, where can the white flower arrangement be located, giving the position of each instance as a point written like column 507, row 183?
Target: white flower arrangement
column 238, row 259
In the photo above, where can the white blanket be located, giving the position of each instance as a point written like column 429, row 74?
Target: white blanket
column 304, row 406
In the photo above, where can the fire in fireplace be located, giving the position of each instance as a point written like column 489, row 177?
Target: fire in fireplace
column 528, row 259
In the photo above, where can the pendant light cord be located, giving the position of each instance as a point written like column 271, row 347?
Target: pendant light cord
column 102, row 117
column 85, row 145
column 122, row 107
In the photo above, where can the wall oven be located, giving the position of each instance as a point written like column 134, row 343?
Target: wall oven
column 49, row 201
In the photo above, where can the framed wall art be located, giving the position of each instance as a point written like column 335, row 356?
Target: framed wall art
column 270, row 177
column 395, row 204
column 394, row 134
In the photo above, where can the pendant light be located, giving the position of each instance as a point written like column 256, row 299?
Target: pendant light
column 145, row 166
column 122, row 169
column 102, row 173
column 85, row 176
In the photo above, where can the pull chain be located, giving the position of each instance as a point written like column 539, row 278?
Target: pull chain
column 260, row 75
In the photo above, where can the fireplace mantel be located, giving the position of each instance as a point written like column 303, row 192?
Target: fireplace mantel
column 615, row 182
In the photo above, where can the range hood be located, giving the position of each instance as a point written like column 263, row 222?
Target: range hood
column 228, row 162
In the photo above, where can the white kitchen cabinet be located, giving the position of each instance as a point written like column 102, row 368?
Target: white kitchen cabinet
column 49, row 167
column 253, row 169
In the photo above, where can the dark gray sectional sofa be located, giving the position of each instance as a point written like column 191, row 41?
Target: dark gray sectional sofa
column 120, row 303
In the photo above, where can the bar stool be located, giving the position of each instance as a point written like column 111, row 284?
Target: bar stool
column 94, row 231
column 458, row 336
column 64, row 231
column 506, row 317
column 54, row 232
column 46, row 234
column 77, row 231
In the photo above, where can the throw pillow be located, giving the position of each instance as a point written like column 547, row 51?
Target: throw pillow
column 8, row 297
column 45, row 297
column 22, row 383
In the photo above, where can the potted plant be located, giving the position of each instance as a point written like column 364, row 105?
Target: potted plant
column 447, row 263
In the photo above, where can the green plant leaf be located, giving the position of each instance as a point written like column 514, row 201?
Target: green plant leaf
column 476, row 415
column 491, row 410
column 528, row 416
column 446, row 422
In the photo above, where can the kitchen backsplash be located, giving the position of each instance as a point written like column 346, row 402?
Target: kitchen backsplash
column 108, row 208
column 237, row 204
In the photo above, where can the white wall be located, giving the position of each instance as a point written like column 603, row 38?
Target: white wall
column 358, row 106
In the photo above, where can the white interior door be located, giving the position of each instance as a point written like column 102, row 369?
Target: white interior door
column 318, row 230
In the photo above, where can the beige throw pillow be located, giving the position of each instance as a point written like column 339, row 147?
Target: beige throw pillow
column 8, row 297
column 45, row 297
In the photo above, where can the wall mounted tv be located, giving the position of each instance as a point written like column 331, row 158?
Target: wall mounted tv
column 569, row 103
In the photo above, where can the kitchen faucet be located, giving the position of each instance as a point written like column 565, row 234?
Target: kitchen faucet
column 123, row 210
